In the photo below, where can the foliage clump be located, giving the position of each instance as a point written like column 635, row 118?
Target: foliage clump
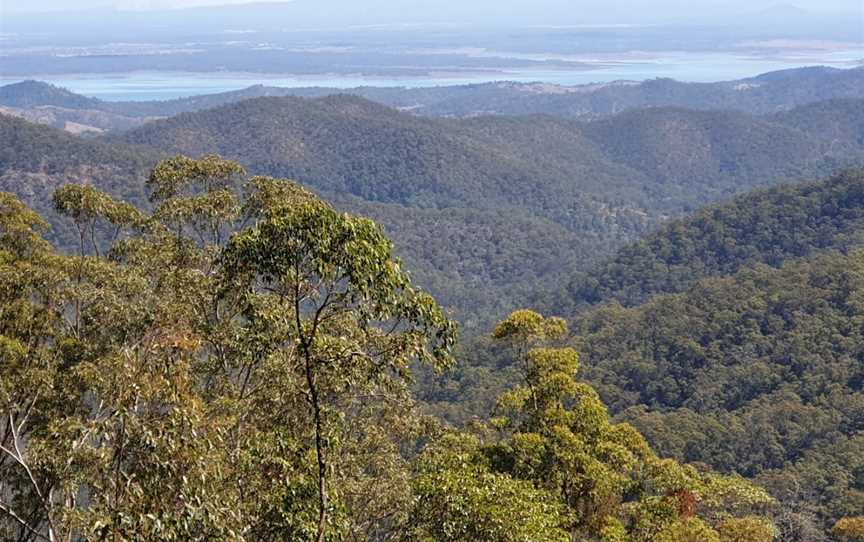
column 595, row 478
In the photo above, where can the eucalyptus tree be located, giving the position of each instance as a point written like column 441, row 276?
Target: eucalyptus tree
column 27, row 325
column 553, row 433
column 232, row 365
column 323, row 290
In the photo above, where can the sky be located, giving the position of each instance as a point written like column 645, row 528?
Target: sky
column 652, row 7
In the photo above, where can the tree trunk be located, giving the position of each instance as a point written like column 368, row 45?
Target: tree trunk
column 319, row 452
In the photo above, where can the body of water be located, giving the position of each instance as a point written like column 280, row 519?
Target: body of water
column 683, row 66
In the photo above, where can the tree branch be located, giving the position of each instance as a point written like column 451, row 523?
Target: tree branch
column 11, row 513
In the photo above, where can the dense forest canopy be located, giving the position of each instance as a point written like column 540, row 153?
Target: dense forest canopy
column 588, row 187
column 767, row 226
column 754, row 367
column 237, row 366
column 729, row 338
column 759, row 373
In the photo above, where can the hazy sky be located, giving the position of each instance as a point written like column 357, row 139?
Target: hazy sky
column 653, row 7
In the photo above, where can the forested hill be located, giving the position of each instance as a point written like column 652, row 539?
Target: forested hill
column 475, row 258
column 720, row 152
column 35, row 160
column 765, row 94
column 767, row 226
column 739, row 345
column 839, row 120
column 198, row 386
column 36, row 94
column 508, row 203
column 751, row 335
column 350, row 145
column 38, row 149
column 479, row 209
column 758, row 373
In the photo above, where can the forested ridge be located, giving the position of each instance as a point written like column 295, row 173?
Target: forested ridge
column 740, row 347
column 764, row 94
column 758, row 373
column 350, row 145
column 35, row 93
column 768, row 226
column 35, row 160
column 729, row 338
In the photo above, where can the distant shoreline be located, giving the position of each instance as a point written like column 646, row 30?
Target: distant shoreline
column 151, row 85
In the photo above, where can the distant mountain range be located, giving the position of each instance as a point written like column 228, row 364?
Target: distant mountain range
column 344, row 144
column 765, row 94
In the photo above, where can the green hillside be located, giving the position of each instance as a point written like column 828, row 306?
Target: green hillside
column 767, row 226
column 193, row 385
column 731, row 338
column 743, row 319
column 36, row 93
column 487, row 192
column 840, row 120
column 348, row 145
column 35, row 160
column 588, row 188
column 758, row 373
column 761, row 95
column 717, row 151
column 648, row 161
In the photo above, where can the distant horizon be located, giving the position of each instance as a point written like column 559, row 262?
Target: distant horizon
column 152, row 54
column 256, row 80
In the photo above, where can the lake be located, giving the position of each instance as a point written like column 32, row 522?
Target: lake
column 683, row 66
